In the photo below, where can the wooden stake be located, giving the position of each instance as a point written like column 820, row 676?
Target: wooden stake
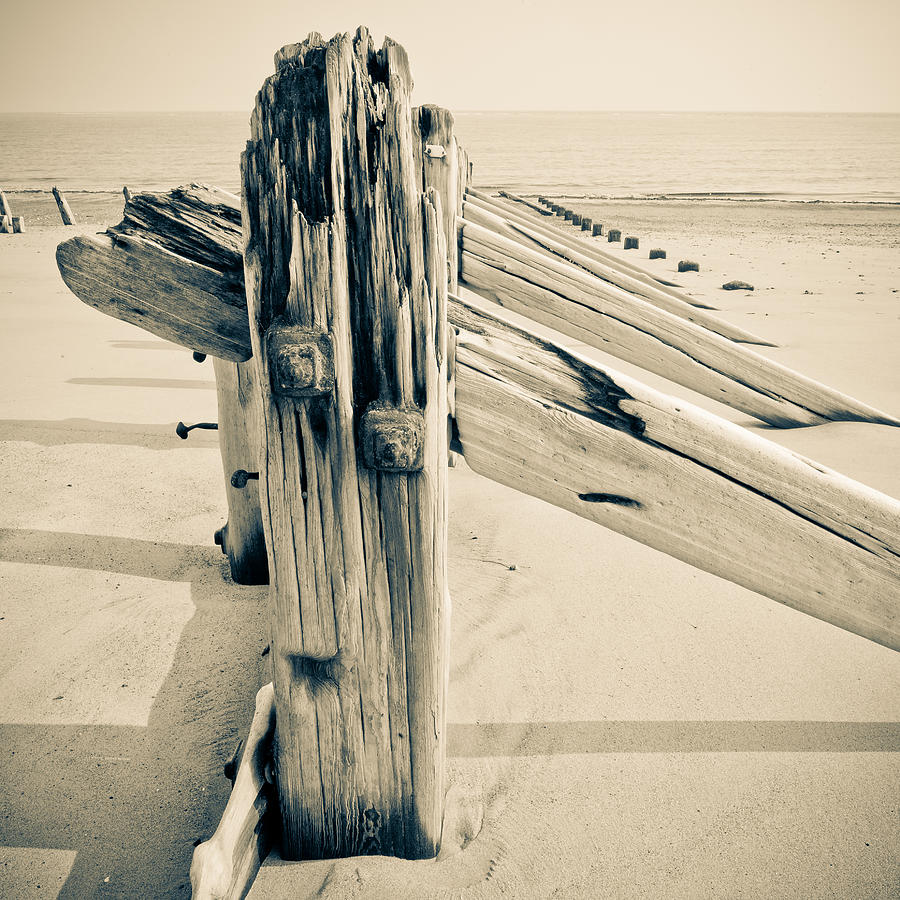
column 63, row 205
column 242, row 538
column 686, row 265
column 18, row 224
column 5, row 209
column 597, row 229
column 657, row 254
column 127, row 194
column 586, row 224
column 6, row 225
column 631, row 243
column 613, row 235
column 576, row 219
column 346, row 274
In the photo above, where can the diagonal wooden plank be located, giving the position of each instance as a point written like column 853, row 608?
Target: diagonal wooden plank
column 554, row 425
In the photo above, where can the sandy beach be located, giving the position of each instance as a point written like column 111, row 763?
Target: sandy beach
column 620, row 724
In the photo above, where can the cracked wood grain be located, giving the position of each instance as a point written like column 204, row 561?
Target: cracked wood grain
column 573, row 302
column 554, row 425
column 340, row 238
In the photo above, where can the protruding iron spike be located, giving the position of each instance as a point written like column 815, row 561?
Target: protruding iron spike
column 240, row 477
column 182, row 430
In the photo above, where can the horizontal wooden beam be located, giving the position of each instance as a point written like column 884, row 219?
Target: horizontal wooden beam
column 576, row 303
column 512, row 227
column 173, row 266
column 552, row 424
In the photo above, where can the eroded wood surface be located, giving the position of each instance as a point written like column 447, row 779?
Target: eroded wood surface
column 578, row 304
column 340, row 240
column 550, row 423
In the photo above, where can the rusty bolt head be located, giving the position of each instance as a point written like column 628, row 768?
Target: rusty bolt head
column 301, row 361
column 392, row 440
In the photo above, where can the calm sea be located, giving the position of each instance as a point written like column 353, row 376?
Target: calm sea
column 808, row 157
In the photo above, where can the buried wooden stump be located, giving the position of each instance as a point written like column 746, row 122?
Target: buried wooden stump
column 6, row 226
column 737, row 286
column 631, row 243
column 5, row 209
column 344, row 251
column 568, row 215
column 63, row 206
column 560, row 210
column 576, row 219
column 18, row 224
column 686, row 265
column 657, row 254
column 597, row 229
column 613, row 235
column 586, row 224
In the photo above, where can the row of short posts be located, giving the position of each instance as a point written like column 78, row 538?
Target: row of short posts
column 613, row 235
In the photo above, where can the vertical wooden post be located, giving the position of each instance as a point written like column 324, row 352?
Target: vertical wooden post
column 6, row 226
column 18, row 224
column 5, row 209
column 63, row 204
column 346, row 276
column 242, row 538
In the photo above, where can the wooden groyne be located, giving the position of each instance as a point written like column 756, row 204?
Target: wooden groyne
column 354, row 305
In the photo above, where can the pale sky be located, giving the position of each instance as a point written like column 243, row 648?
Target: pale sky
column 778, row 55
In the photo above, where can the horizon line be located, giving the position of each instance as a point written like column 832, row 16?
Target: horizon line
column 787, row 112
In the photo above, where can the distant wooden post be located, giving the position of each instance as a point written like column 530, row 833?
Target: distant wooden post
column 657, row 254
column 18, row 224
column 346, row 278
column 126, row 193
column 613, row 235
column 5, row 209
column 631, row 243
column 586, row 224
column 597, row 229
column 242, row 538
column 576, row 219
column 63, row 204
column 6, row 225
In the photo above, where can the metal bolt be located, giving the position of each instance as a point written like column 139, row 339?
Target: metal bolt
column 182, row 430
column 393, row 440
column 219, row 537
column 198, row 356
column 301, row 361
column 240, row 477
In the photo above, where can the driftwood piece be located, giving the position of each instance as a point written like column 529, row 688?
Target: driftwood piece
column 172, row 267
column 242, row 538
column 552, row 424
column 345, row 268
column 223, row 868
column 577, row 304
column 63, row 206
column 476, row 211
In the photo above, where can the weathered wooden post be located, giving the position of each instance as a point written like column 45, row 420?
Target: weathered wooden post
column 63, row 205
column 596, row 229
column 6, row 225
column 241, row 538
column 346, row 278
column 5, row 209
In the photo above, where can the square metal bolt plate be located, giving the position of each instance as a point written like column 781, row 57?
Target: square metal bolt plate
column 301, row 361
column 392, row 440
